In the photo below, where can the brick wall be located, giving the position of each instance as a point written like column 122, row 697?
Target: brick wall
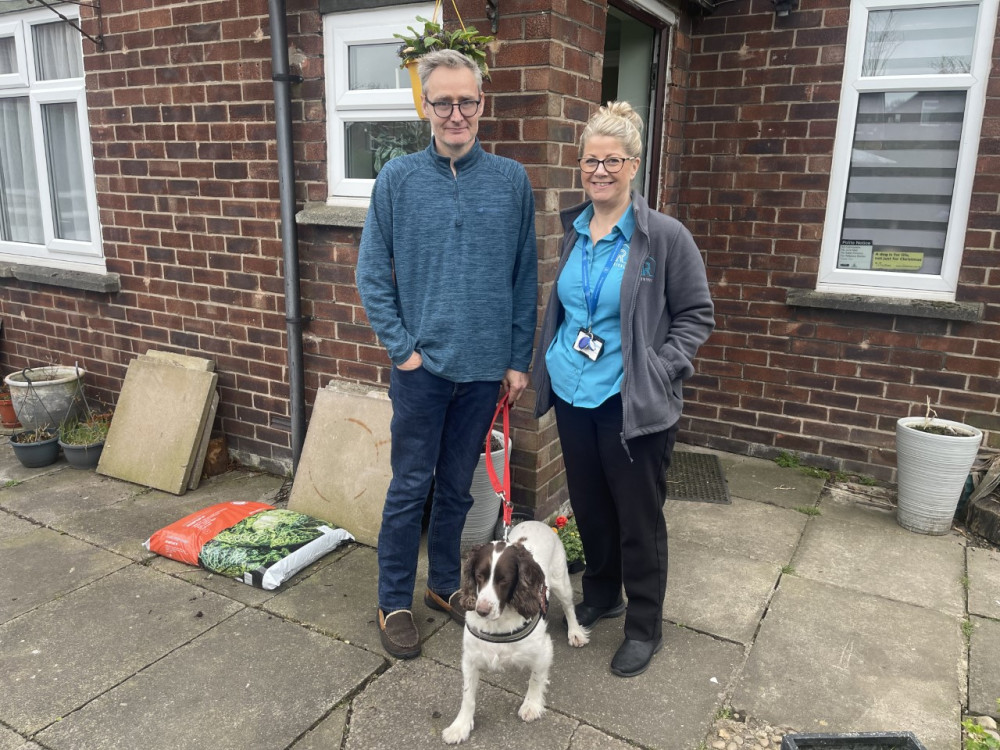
column 762, row 107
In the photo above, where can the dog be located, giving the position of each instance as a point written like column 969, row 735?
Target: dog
column 505, row 589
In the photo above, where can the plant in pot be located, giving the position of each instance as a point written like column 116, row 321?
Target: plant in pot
column 432, row 36
column 569, row 535
column 46, row 395
column 82, row 440
column 933, row 460
column 36, row 448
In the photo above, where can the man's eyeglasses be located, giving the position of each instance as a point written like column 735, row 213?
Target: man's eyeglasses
column 611, row 164
column 466, row 107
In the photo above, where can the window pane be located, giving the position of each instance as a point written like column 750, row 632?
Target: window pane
column 20, row 202
column 920, row 41
column 8, row 56
column 375, row 66
column 369, row 145
column 902, row 176
column 57, row 51
column 65, row 167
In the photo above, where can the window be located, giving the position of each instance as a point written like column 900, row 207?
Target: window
column 48, row 201
column 370, row 112
column 905, row 153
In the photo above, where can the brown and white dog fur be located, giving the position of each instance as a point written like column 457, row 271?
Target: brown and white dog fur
column 504, row 588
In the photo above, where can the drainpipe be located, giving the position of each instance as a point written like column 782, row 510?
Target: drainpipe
column 289, row 235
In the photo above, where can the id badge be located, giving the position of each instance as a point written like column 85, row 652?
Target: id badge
column 589, row 345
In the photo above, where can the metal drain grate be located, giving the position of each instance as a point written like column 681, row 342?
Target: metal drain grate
column 697, row 477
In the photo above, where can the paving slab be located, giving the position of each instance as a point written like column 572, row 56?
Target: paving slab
column 231, row 686
column 864, row 549
column 750, row 529
column 828, row 659
column 984, row 582
column 716, row 592
column 766, row 482
column 11, row 525
column 124, row 526
column 329, row 733
column 344, row 470
column 11, row 740
column 44, row 565
column 158, row 424
column 341, row 600
column 671, row 705
column 416, row 700
column 51, row 498
column 67, row 652
column 12, row 471
column 984, row 667
column 588, row 738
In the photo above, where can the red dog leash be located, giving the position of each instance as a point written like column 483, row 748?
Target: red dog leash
column 503, row 490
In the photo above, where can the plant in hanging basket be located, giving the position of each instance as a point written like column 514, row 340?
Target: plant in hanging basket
column 433, row 36
column 40, row 434
column 36, row 448
column 89, row 431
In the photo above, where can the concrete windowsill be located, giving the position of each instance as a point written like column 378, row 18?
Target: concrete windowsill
column 322, row 214
column 970, row 312
column 109, row 283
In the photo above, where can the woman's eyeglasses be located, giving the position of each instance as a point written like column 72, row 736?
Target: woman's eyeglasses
column 466, row 107
column 611, row 164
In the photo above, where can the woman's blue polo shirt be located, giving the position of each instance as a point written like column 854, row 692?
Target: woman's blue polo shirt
column 575, row 378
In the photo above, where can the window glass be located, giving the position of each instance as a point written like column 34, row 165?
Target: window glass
column 371, row 144
column 920, row 41
column 57, row 51
column 901, row 182
column 66, row 181
column 375, row 66
column 20, row 203
column 8, row 55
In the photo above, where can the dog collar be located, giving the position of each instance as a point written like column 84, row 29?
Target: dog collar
column 513, row 636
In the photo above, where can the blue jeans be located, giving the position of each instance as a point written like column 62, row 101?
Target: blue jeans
column 438, row 430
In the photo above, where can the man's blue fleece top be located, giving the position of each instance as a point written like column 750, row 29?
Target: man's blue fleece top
column 463, row 250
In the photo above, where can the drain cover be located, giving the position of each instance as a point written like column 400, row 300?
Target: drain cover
column 698, row 477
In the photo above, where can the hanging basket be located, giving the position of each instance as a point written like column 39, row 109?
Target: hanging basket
column 417, row 88
column 46, row 396
column 36, row 453
column 931, row 471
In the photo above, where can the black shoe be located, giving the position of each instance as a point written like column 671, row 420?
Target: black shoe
column 587, row 615
column 633, row 657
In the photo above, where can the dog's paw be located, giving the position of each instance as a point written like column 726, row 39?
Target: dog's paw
column 578, row 638
column 530, row 710
column 457, row 732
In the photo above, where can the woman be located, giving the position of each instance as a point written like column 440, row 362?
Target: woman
column 629, row 310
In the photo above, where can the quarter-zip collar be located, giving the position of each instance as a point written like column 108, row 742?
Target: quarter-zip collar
column 443, row 163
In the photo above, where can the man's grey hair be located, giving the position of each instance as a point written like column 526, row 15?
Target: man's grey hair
column 447, row 58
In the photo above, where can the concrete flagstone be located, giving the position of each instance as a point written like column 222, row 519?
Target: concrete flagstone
column 737, row 528
column 416, row 700
column 12, row 741
column 32, row 577
column 984, row 667
column 11, row 526
column 328, row 734
column 819, row 646
column 766, row 482
column 65, row 653
column 62, row 499
column 866, row 550
column 984, row 584
column 231, row 685
column 344, row 470
column 588, row 738
column 13, row 472
column 716, row 592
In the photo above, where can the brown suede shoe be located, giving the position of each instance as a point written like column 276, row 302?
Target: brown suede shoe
column 399, row 634
column 451, row 605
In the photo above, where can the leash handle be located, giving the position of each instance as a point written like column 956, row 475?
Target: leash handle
column 502, row 489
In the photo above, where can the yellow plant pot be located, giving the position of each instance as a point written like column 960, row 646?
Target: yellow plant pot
column 415, row 87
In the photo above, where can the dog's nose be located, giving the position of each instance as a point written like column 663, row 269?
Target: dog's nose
column 482, row 608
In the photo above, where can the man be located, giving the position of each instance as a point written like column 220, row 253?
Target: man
column 447, row 272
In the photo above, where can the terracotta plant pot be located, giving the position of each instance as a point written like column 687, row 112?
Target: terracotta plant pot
column 8, row 417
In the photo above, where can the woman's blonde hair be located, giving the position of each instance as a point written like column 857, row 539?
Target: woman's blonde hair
column 616, row 120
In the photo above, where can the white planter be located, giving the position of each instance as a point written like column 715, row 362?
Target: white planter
column 931, row 471
column 482, row 519
column 46, row 395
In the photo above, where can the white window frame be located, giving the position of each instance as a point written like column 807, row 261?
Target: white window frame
column 886, row 283
column 340, row 30
column 55, row 252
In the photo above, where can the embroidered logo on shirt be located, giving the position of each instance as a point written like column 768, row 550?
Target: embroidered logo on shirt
column 648, row 270
column 622, row 257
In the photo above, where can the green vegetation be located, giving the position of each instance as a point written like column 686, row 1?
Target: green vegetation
column 788, row 460
column 976, row 737
column 569, row 535
column 809, row 510
column 433, row 36
column 967, row 629
column 86, row 431
column 787, row 569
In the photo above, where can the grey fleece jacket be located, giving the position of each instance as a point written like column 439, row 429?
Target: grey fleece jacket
column 666, row 314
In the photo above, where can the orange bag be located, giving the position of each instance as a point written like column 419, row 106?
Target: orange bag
column 182, row 540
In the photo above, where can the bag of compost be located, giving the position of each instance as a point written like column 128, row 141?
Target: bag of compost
column 255, row 543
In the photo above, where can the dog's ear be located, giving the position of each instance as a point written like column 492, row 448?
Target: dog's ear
column 468, row 596
column 529, row 593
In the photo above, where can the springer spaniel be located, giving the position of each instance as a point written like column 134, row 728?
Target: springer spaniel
column 505, row 590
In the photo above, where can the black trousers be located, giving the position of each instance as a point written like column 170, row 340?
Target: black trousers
column 617, row 497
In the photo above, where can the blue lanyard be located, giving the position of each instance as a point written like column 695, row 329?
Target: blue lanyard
column 592, row 297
